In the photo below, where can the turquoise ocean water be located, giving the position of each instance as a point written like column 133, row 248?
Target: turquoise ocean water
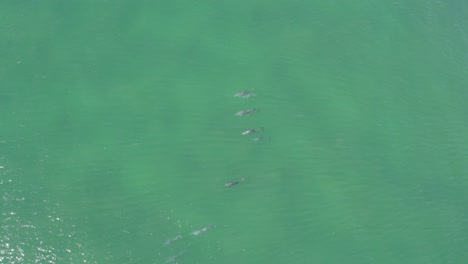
column 117, row 132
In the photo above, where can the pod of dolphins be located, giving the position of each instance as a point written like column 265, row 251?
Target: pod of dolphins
column 246, row 94
column 243, row 94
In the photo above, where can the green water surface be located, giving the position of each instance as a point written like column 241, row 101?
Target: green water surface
column 117, row 132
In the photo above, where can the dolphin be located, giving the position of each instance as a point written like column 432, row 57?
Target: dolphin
column 229, row 184
column 246, row 112
column 201, row 231
column 245, row 93
column 251, row 131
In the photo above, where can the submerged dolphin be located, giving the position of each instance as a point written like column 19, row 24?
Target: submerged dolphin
column 245, row 93
column 246, row 112
column 169, row 241
column 201, row 231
